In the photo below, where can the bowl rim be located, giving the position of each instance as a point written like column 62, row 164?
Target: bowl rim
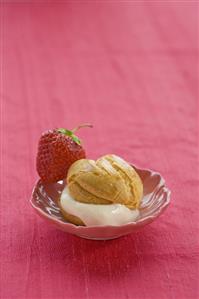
column 139, row 222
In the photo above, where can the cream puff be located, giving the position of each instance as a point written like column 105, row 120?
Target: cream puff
column 103, row 192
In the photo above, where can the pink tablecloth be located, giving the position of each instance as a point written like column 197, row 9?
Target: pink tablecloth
column 129, row 68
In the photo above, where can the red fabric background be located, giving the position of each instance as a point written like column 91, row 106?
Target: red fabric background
column 130, row 68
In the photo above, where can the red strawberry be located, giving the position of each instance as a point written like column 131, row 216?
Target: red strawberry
column 57, row 150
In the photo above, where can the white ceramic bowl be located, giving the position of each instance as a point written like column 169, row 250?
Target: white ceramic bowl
column 155, row 200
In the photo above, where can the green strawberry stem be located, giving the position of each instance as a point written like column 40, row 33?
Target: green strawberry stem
column 71, row 134
column 82, row 126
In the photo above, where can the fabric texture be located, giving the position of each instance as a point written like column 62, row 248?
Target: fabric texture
column 130, row 69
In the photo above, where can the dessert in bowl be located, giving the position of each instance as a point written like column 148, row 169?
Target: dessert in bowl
column 102, row 199
column 105, row 192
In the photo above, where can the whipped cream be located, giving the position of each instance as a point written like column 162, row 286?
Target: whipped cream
column 97, row 214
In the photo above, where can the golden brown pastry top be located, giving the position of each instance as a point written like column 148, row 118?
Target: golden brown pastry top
column 108, row 180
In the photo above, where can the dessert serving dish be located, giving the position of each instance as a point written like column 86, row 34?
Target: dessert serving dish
column 45, row 200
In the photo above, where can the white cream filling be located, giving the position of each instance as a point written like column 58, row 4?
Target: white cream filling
column 95, row 214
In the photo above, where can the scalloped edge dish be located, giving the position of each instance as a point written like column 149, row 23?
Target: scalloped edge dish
column 155, row 200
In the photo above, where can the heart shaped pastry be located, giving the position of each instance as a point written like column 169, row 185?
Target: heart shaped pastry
column 108, row 180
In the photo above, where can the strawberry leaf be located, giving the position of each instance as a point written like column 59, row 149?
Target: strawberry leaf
column 76, row 139
column 65, row 132
column 70, row 134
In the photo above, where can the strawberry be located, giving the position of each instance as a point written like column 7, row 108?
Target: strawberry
column 57, row 150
